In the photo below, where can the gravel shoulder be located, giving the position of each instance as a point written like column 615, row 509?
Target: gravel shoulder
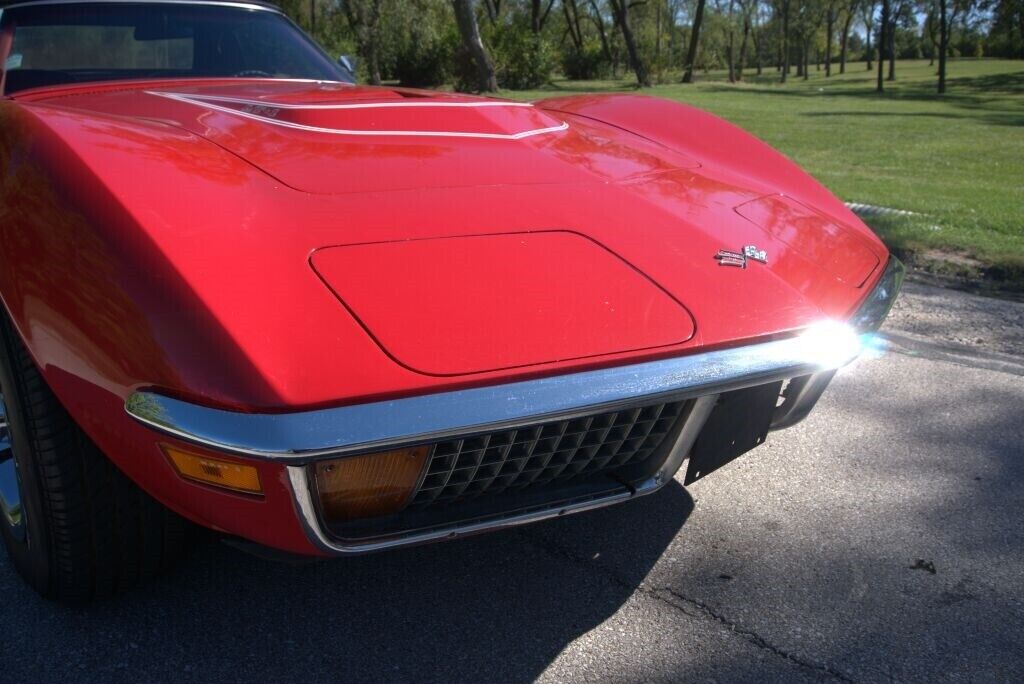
column 951, row 318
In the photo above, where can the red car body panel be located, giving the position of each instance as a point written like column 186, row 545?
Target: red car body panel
column 151, row 241
column 486, row 289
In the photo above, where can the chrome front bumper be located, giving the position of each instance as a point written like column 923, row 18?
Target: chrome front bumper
column 808, row 360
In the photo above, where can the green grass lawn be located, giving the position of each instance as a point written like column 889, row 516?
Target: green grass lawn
column 957, row 159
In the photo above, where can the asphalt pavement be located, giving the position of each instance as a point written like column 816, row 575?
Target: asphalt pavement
column 882, row 539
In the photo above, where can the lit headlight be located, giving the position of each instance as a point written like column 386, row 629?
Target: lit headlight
column 831, row 344
column 872, row 313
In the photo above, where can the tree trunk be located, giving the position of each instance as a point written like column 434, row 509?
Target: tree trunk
column 943, row 44
column 743, row 48
column 807, row 59
column 755, row 35
column 539, row 14
column 930, row 27
column 729, row 64
column 730, row 43
column 621, row 9
column 757, row 53
column 572, row 24
column 364, row 20
column 473, row 47
column 830, row 25
column 1020, row 19
column 691, row 54
column 372, row 61
column 492, row 11
column 779, row 57
column 869, row 25
column 373, row 46
column 785, row 41
column 892, row 50
column 844, row 41
column 882, row 42
column 599, row 23
column 657, row 37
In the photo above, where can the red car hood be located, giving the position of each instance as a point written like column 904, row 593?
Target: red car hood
column 331, row 243
column 330, row 139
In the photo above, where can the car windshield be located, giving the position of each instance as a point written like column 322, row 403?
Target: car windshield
column 57, row 44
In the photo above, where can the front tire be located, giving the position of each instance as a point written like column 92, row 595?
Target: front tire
column 75, row 527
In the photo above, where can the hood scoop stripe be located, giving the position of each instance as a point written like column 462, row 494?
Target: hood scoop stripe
column 277, row 114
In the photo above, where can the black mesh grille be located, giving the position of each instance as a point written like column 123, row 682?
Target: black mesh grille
column 460, row 469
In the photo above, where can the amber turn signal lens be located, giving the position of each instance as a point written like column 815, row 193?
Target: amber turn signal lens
column 213, row 471
column 371, row 485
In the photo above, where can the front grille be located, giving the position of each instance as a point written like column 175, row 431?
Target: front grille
column 461, row 469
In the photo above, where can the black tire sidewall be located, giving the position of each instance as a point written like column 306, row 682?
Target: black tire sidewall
column 31, row 556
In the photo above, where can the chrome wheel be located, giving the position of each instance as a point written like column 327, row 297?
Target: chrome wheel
column 10, row 481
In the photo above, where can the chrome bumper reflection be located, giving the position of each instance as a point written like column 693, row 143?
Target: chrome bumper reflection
column 307, row 436
column 298, row 439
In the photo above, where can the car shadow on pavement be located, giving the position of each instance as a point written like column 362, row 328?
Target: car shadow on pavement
column 502, row 605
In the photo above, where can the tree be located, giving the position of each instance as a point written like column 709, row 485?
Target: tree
column 573, row 26
column 943, row 44
column 539, row 14
column 620, row 9
column 807, row 20
column 831, row 14
column 730, row 35
column 894, row 15
column 844, row 41
column 598, row 19
column 747, row 8
column 948, row 12
column 691, row 54
column 1006, row 32
column 883, row 30
column 868, row 9
column 364, row 20
column 757, row 36
column 423, row 43
column 782, row 10
column 493, row 9
column 473, row 52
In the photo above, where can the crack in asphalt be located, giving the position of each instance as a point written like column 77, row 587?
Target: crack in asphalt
column 749, row 635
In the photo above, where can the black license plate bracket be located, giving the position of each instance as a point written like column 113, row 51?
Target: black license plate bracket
column 738, row 423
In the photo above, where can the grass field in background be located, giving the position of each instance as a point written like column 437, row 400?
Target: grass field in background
column 957, row 159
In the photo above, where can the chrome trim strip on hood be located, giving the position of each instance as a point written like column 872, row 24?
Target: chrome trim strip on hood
column 402, row 104
column 306, row 436
column 208, row 103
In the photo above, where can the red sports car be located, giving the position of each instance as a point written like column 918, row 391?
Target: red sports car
column 241, row 292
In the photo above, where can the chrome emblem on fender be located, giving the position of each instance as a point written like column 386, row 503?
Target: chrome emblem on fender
column 726, row 257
